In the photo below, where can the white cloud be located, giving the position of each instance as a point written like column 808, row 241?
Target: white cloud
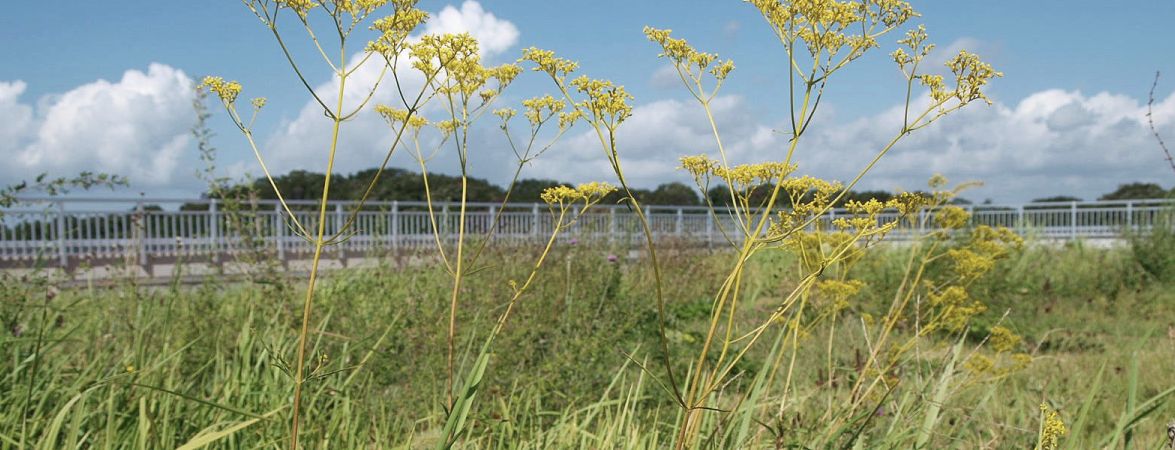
column 495, row 35
column 653, row 139
column 18, row 117
column 136, row 127
column 301, row 143
column 1052, row 142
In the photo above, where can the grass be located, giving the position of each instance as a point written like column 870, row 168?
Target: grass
column 133, row 367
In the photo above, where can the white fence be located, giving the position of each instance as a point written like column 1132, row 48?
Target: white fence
column 68, row 231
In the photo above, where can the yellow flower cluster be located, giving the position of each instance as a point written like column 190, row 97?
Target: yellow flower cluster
column 951, row 217
column 838, row 292
column 686, row 57
column 971, row 74
column 394, row 29
column 447, row 127
column 226, row 90
column 700, row 166
column 742, row 178
column 301, row 7
column 588, row 193
column 956, row 308
column 540, row 109
column 396, row 116
column 358, row 8
column 546, row 61
column 605, row 100
column 1051, row 427
column 1003, row 340
column 505, row 113
column 830, row 25
column 568, row 118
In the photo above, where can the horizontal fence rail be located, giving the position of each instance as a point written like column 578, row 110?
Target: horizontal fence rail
column 67, row 232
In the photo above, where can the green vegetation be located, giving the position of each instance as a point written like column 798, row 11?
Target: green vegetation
column 135, row 367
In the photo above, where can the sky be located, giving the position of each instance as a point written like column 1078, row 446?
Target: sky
column 107, row 86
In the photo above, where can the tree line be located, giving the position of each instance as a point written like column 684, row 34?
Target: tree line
column 406, row 185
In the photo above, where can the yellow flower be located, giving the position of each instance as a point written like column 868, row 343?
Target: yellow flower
column 546, row 61
column 952, row 217
column 1003, row 339
column 396, row 116
column 1051, row 428
column 226, row 90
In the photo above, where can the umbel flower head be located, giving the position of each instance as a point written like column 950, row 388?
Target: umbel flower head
column 587, row 193
column 394, row 29
column 688, row 58
column 227, row 91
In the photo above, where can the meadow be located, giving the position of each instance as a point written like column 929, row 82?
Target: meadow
column 801, row 329
column 163, row 367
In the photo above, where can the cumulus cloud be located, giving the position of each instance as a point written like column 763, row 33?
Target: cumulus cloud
column 1051, row 142
column 301, row 142
column 136, row 127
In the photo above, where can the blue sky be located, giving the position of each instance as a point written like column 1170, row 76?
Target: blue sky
column 104, row 85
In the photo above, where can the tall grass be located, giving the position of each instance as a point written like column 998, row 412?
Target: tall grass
column 800, row 334
column 140, row 367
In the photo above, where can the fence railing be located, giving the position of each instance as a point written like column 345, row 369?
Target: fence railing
column 67, row 231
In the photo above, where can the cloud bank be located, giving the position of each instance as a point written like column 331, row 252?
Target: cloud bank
column 137, row 126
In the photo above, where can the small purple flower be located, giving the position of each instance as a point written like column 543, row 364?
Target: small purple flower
column 573, row 241
column 612, row 258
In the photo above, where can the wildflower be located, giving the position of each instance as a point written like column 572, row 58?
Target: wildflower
column 605, row 100
column 505, row 113
column 394, row 29
column 1003, row 339
column 396, row 116
column 698, row 165
column 1051, row 427
column 612, row 258
column 979, row 364
column 573, row 241
column 952, row 217
column 226, row 90
column 546, row 61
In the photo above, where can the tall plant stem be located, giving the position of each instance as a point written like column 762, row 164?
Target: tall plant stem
column 319, row 243
column 457, row 275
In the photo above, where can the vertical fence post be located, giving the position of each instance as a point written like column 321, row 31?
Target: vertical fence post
column 63, row 257
column 444, row 228
column 649, row 217
column 677, row 223
column 142, row 230
column 338, row 228
column 492, row 222
column 1130, row 215
column 279, row 233
column 1020, row 225
column 709, row 228
column 213, row 231
column 534, row 219
column 575, row 216
column 394, row 226
column 1073, row 220
column 612, row 224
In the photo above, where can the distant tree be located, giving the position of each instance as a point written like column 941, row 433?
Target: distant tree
column 1056, row 198
column 864, row 196
column 961, row 201
column 529, row 190
column 676, row 194
column 1136, row 191
column 719, row 195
